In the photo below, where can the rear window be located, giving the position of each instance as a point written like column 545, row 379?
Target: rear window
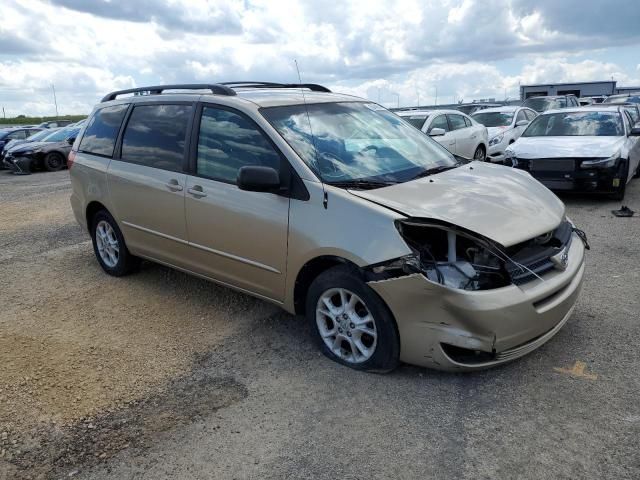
column 102, row 130
column 155, row 136
column 540, row 104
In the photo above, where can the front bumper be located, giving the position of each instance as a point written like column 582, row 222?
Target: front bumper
column 496, row 326
column 495, row 153
column 21, row 165
column 572, row 177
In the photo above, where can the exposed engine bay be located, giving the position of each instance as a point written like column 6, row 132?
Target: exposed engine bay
column 456, row 258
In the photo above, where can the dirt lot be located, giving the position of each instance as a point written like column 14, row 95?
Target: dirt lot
column 161, row 375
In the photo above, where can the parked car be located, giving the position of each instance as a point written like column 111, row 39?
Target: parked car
column 55, row 124
column 470, row 108
column 49, row 154
column 586, row 101
column 504, row 126
column 633, row 109
column 36, row 137
column 542, row 104
column 589, row 149
column 622, row 98
column 15, row 133
column 454, row 130
column 332, row 207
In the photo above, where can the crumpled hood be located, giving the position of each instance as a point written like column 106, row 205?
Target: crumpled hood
column 563, row 147
column 493, row 131
column 504, row 204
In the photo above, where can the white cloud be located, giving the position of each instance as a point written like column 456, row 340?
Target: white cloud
column 92, row 46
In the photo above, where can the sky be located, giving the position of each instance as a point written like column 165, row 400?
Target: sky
column 392, row 52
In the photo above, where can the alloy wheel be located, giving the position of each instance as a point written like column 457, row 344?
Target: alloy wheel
column 107, row 243
column 346, row 326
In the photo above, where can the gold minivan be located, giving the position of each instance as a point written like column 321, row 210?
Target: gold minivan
column 331, row 207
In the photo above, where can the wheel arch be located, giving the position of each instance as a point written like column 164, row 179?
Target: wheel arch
column 92, row 208
column 309, row 272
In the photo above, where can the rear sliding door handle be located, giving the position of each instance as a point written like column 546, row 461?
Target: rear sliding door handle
column 174, row 186
column 197, row 191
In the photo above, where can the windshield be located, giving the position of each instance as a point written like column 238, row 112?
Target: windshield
column 572, row 124
column 415, row 120
column 61, row 135
column 357, row 141
column 38, row 136
column 493, row 119
column 623, row 99
column 540, row 104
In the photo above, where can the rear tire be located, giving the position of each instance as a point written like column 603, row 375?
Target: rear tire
column 109, row 246
column 480, row 154
column 54, row 162
column 351, row 323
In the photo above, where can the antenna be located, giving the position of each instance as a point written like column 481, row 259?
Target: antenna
column 325, row 198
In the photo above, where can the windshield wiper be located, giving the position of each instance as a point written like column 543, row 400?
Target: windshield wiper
column 434, row 170
column 361, row 184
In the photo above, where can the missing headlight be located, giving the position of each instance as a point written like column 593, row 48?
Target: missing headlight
column 453, row 257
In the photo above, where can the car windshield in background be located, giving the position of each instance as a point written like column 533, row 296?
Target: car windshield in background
column 416, row 120
column 576, row 124
column 540, row 104
column 622, row 99
column 61, row 135
column 357, row 142
column 39, row 136
column 494, row 119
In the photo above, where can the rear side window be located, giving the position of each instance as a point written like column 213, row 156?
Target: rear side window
column 457, row 122
column 229, row 141
column 17, row 135
column 102, row 130
column 155, row 136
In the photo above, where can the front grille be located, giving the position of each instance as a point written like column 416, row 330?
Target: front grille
column 532, row 258
column 552, row 165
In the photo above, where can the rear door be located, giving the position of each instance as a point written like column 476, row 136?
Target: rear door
column 237, row 237
column 147, row 181
column 448, row 140
column 465, row 137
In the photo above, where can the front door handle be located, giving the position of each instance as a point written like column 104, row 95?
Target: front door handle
column 174, row 186
column 197, row 191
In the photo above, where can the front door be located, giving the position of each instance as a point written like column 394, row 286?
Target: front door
column 237, row 237
column 447, row 140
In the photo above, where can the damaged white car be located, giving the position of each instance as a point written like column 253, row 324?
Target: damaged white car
column 332, row 207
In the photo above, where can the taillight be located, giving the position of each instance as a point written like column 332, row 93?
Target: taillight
column 71, row 159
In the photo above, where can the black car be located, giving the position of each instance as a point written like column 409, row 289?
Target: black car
column 49, row 154
column 13, row 143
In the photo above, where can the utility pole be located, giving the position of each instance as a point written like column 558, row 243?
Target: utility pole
column 55, row 101
column 3, row 114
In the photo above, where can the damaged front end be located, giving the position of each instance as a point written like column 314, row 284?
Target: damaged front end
column 456, row 258
column 463, row 301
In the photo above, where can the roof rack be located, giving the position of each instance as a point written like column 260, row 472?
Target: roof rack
column 215, row 88
column 311, row 86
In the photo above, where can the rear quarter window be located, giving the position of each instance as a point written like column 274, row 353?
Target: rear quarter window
column 102, row 130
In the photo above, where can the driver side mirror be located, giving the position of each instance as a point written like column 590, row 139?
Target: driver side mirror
column 522, row 123
column 71, row 140
column 436, row 132
column 255, row 178
column 635, row 130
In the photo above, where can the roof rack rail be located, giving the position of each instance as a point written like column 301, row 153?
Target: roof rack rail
column 311, row 86
column 216, row 88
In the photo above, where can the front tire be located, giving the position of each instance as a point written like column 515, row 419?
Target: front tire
column 351, row 323
column 54, row 162
column 109, row 246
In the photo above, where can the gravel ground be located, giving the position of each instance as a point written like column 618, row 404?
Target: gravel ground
column 160, row 375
